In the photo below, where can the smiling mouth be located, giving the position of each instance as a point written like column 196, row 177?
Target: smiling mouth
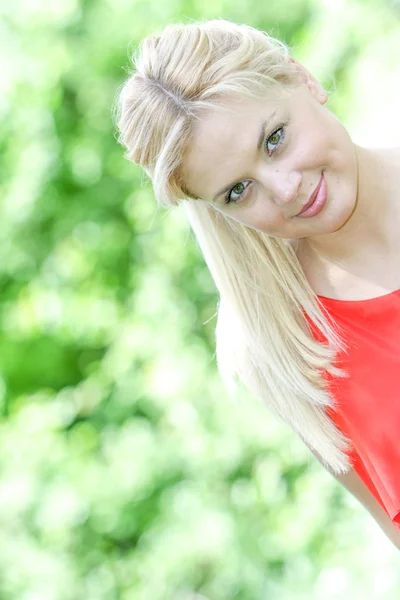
column 312, row 197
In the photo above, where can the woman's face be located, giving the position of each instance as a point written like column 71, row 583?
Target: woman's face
column 258, row 161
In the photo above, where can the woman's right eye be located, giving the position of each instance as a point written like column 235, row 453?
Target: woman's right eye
column 238, row 189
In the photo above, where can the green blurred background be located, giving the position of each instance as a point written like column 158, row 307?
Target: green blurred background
column 126, row 472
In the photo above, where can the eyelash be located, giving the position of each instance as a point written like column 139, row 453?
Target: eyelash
column 282, row 129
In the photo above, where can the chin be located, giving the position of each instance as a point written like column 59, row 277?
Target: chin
column 345, row 218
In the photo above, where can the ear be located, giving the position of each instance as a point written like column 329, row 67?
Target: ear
column 310, row 81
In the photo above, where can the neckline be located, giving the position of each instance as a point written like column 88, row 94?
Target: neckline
column 376, row 299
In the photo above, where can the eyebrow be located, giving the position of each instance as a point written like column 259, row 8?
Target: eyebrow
column 259, row 144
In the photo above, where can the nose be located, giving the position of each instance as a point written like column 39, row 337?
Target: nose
column 284, row 187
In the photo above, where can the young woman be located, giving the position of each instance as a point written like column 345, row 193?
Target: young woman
column 299, row 228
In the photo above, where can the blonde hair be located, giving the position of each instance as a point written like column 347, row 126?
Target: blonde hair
column 262, row 334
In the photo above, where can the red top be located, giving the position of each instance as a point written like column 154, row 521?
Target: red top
column 368, row 401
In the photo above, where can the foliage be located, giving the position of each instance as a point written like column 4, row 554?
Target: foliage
column 126, row 471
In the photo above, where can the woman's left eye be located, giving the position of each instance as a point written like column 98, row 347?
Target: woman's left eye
column 275, row 140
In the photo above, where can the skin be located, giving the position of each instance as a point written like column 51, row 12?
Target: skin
column 277, row 181
column 356, row 233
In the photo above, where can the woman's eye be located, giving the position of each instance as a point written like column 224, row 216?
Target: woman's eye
column 275, row 140
column 239, row 190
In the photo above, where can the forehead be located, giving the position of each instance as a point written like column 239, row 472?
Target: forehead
column 218, row 123
column 222, row 137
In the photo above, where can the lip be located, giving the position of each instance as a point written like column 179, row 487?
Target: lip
column 312, row 197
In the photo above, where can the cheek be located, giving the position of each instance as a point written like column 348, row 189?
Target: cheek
column 262, row 215
column 315, row 145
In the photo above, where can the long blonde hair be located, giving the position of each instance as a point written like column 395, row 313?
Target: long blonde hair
column 262, row 335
